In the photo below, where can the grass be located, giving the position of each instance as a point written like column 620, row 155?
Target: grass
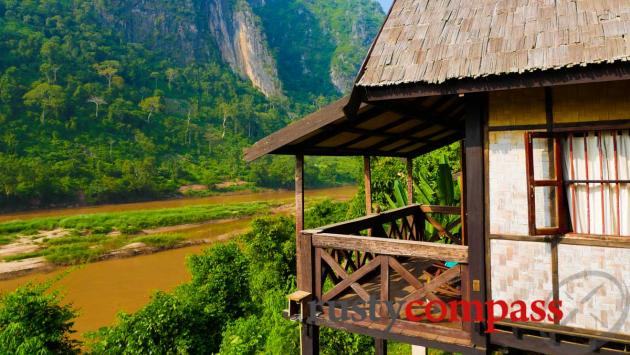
column 160, row 240
column 89, row 240
column 131, row 222
column 76, row 249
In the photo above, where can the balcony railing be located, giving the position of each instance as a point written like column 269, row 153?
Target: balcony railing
column 389, row 257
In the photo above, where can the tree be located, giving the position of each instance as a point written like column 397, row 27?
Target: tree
column 151, row 105
column 171, row 74
column 97, row 101
column 228, row 111
column 47, row 97
column 108, row 69
column 33, row 321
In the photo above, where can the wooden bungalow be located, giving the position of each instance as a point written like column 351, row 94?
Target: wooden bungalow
column 538, row 93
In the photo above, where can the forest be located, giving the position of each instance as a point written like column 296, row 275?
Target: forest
column 89, row 116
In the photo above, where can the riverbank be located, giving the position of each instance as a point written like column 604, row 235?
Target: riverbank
column 125, row 283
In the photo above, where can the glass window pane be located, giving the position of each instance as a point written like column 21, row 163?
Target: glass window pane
column 546, row 214
column 544, row 162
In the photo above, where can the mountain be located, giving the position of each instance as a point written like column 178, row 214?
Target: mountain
column 111, row 100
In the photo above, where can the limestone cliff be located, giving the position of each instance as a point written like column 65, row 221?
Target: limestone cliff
column 301, row 48
column 191, row 30
column 243, row 45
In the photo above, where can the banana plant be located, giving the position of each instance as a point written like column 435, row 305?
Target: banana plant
column 447, row 192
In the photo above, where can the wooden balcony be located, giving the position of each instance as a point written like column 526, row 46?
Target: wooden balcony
column 389, row 257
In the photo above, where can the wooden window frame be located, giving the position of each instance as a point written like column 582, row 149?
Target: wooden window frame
column 557, row 182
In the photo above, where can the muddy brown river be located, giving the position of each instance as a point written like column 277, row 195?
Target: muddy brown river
column 100, row 290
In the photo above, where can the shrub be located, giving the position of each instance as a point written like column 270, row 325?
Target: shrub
column 33, row 321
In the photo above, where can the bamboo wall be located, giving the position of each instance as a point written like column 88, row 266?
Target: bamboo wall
column 522, row 269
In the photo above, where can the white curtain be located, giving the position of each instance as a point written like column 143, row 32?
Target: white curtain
column 598, row 209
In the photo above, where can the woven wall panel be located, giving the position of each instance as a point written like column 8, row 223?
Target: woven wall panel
column 593, row 287
column 520, row 270
column 508, row 183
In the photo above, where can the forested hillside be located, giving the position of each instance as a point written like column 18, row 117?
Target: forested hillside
column 110, row 100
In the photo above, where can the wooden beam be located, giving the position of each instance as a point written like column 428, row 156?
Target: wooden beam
column 380, row 346
column 454, row 210
column 368, row 114
column 294, row 131
column 546, row 345
column 435, row 145
column 569, row 76
column 474, row 181
column 394, row 247
column 367, row 176
column 409, row 181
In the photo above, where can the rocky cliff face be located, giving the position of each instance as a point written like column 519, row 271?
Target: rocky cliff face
column 191, row 30
column 243, row 45
column 318, row 44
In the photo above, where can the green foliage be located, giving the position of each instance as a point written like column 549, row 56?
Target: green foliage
column 33, row 321
column 94, row 113
column 134, row 221
column 192, row 318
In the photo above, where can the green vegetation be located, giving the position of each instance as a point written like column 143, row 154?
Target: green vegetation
column 92, row 112
column 34, row 321
column 88, row 237
column 134, row 221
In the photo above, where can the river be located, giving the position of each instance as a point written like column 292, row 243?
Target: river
column 100, row 290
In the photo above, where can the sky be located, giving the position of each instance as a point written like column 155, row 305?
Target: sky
column 385, row 4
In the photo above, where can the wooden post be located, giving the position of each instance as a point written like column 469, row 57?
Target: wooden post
column 474, row 181
column 309, row 334
column 299, row 194
column 367, row 176
column 409, row 181
column 380, row 345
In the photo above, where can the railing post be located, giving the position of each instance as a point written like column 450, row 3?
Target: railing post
column 409, row 181
column 367, row 175
column 309, row 333
column 465, row 283
column 419, row 221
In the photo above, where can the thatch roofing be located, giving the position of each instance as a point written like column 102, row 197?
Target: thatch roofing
column 432, row 41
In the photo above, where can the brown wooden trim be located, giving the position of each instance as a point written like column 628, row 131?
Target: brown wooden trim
column 570, row 239
column 453, row 210
column 366, row 222
column 567, row 330
column 431, row 340
column 396, row 247
column 592, row 181
column 436, row 144
column 347, row 280
column 557, row 183
column 476, row 111
column 591, row 73
column 522, row 238
column 545, row 345
column 573, row 127
column 591, row 126
column 530, row 127
column 555, row 283
column 531, row 195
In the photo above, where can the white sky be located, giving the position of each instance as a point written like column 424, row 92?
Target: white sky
column 385, row 4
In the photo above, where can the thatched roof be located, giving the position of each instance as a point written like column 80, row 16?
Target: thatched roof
column 431, row 41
